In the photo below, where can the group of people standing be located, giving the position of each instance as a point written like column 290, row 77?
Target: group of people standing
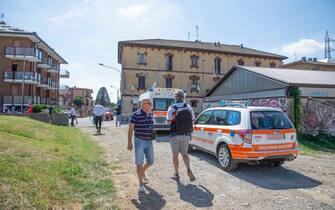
column 180, row 117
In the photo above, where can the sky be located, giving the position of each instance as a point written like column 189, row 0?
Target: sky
column 86, row 32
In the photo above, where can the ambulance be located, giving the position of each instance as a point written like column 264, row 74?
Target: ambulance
column 245, row 134
column 161, row 98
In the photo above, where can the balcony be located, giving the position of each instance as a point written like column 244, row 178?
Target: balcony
column 64, row 74
column 64, row 88
column 19, row 100
column 22, row 53
column 42, row 82
column 21, row 77
column 52, row 85
column 46, row 63
column 55, row 68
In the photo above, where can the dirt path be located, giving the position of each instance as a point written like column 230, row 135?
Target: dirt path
column 306, row 183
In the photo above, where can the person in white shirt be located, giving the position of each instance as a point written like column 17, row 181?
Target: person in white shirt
column 98, row 112
column 73, row 114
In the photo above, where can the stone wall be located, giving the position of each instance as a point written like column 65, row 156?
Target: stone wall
column 56, row 119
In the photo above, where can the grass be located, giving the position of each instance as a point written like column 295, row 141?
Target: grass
column 321, row 144
column 44, row 166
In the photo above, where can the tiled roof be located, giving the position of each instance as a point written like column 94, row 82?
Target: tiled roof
column 199, row 45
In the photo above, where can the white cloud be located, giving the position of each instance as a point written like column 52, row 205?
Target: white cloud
column 134, row 11
column 302, row 47
column 63, row 18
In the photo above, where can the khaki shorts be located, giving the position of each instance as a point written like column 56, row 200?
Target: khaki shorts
column 179, row 144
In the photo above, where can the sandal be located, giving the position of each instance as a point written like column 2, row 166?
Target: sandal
column 190, row 174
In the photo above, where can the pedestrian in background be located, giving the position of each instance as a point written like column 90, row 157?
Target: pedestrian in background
column 99, row 112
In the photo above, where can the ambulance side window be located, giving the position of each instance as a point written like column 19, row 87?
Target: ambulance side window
column 204, row 118
column 219, row 117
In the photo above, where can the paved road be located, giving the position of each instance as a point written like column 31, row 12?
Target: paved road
column 305, row 183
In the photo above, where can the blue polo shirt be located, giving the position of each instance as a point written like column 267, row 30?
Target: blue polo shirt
column 143, row 123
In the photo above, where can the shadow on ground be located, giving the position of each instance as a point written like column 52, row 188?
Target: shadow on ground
column 273, row 178
column 197, row 195
column 151, row 200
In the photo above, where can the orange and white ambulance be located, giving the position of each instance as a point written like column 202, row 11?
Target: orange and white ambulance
column 237, row 133
column 161, row 98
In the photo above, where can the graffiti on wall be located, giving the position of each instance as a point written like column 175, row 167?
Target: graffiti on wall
column 281, row 103
column 318, row 115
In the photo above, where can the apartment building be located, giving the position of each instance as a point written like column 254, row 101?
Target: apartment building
column 29, row 69
column 193, row 66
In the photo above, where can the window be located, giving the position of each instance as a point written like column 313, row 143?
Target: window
column 141, row 58
column 162, row 104
column 169, row 62
column 141, row 82
column 226, row 117
column 217, row 63
column 257, row 63
column 194, row 83
column 272, row 65
column 194, row 103
column 168, row 82
column 269, row 120
column 204, row 118
column 194, row 61
column 240, row 62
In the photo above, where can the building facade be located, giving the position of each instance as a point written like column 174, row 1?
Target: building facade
column 312, row 64
column 193, row 66
column 67, row 96
column 29, row 69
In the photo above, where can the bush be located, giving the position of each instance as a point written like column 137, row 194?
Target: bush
column 37, row 108
column 57, row 109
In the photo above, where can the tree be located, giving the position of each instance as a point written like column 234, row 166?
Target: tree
column 102, row 97
column 78, row 101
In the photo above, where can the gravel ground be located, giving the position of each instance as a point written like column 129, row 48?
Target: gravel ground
column 305, row 183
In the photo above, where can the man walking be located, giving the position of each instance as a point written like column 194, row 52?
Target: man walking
column 180, row 116
column 141, row 122
column 73, row 114
column 98, row 112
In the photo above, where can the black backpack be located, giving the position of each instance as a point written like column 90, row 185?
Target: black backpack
column 183, row 120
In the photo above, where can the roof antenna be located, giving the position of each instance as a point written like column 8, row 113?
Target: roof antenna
column 188, row 35
column 197, row 32
column 2, row 16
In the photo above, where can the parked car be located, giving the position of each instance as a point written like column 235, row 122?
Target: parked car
column 236, row 134
column 109, row 115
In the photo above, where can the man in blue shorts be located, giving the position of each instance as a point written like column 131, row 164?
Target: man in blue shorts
column 141, row 123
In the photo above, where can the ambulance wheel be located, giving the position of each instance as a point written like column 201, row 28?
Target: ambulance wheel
column 225, row 159
column 190, row 149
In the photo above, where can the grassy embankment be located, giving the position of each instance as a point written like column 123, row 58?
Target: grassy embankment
column 321, row 144
column 44, row 166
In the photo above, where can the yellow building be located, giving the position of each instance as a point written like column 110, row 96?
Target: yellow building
column 312, row 64
column 193, row 66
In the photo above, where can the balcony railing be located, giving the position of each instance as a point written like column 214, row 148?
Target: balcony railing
column 19, row 76
column 23, row 53
column 64, row 88
column 18, row 100
column 64, row 74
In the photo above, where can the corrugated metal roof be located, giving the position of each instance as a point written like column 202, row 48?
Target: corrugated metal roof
column 295, row 76
column 217, row 46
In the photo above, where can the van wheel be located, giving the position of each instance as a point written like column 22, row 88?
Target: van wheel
column 278, row 163
column 225, row 159
column 190, row 149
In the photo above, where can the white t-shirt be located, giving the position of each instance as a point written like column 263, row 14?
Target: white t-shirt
column 99, row 110
column 171, row 110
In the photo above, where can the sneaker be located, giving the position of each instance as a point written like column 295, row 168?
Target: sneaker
column 176, row 177
column 145, row 180
column 141, row 189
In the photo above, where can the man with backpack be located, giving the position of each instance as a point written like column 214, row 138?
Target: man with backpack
column 180, row 116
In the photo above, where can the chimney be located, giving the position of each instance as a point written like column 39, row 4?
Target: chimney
column 241, row 45
column 303, row 59
column 315, row 59
column 215, row 44
column 219, row 44
column 310, row 59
